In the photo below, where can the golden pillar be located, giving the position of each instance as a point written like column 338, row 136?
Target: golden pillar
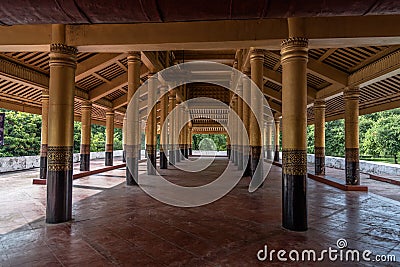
column 151, row 131
column 172, row 127
column 182, row 133
column 294, row 128
column 85, row 135
column 351, row 99
column 277, row 132
column 240, row 126
column 133, row 129
column 45, row 133
column 246, row 121
column 109, row 137
column 61, row 128
column 319, row 136
column 256, row 114
column 163, row 131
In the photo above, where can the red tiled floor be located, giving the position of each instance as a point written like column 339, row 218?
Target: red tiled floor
column 122, row 226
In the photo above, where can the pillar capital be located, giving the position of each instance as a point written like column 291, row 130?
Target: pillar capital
column 319, row 104
column 351, row 93
column 134, row 56
column 294, row 47
column 63, row 49
column 110, row 112
column 86, row 105
column 256, row 54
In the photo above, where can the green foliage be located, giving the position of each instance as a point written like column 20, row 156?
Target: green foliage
column 219, row 140
column 22, row 133
column 310, row 139
column 334, row 138
column 383, row 138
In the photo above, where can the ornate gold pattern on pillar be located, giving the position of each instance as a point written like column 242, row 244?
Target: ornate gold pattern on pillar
column 319, row 136
column 61, row 124
column 60, row 158
column 351, row 98
column 295, row 162
column 294, row 124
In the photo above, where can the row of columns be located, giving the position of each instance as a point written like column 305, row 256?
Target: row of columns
column 86, row 110
column 352, row 170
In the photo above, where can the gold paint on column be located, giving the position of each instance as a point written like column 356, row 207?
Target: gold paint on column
column 319, row 123
column 351, row 97
column 256, row 62
column 61, row 103
column 109, row 131
column 277, row 133
column 294, row 103
column 86, row 127
column 163, row 117
column 151, row 131
column 172, row 120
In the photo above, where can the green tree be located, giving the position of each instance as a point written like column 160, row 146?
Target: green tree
column 384, row 137
column 22, row 132
column 219, row 140
column 310, row 139
column 334, row 138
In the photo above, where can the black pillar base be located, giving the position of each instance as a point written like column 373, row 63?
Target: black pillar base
column 151, row 159
column 182, row 153
column 124, row 156
column 85, row 162
column 190, row 152
column 319, row 165
column 186, row 153
column 132, row 171
column 228, row 153
column 235, row 157
column 240, row 160
column 163, row 160
column 247, row 170
column 109, row 159
column 177, row 155
column 352, row 166
column 294, row 202
column 172, row 157
column 276, row 156
column 59, row 184
column 43, row 167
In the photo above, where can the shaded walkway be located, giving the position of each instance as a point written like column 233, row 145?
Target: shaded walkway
column 121, row 225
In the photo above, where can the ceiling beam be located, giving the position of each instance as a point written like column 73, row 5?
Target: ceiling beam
column 107, row 88
column 320, row 69
column 276, row 77
column 150, row 59
column 96, row 63
column 272, row 93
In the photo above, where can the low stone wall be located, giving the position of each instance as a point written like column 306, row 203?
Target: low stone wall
column 9, row 164
column 371, row 167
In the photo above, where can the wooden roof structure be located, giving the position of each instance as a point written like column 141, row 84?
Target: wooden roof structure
column 344, row 51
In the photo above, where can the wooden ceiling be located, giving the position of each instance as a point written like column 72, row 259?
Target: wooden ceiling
column 102, row 78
